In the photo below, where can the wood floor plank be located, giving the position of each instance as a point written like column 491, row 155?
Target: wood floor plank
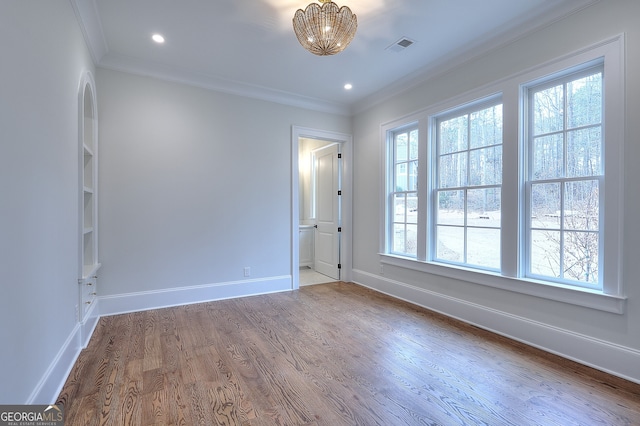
column 154, row 408
column 134, row 330
column 332, row 354
column 177, row 409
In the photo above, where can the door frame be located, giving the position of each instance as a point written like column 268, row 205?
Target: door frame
column 345, row 140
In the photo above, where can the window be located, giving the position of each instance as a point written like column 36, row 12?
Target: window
column 565, row 177
column 467, row 193
column 404, row 192
column 519, row 184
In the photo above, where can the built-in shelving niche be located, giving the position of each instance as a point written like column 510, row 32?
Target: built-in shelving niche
column 88, row 201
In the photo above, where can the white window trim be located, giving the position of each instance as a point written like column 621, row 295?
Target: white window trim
column 484, row 102
column 585, row 69
column 612, row 298
column 390, row 177
column 546, row 290
column 386, row 135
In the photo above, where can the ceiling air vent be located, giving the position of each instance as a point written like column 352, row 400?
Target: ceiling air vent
column 400, row 45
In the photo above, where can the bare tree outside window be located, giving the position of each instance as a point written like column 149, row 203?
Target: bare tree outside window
column 404, row 195
column 529, row 199
column 565, row 177
column 468, row 193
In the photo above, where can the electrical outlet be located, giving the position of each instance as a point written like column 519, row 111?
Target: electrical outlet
column 381, row 269
column 247, row 271
column 77, row 314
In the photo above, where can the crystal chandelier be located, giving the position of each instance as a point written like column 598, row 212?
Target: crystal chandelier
column 325, row 29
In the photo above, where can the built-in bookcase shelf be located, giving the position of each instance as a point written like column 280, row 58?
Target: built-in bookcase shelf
column 88, row 176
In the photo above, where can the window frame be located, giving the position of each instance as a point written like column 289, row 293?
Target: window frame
column 393, row 183
column 562, row 78
column 512, row 277
column 465, row 109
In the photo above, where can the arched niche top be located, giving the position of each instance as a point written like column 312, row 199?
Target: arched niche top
column 88, row 101
column 88, row 111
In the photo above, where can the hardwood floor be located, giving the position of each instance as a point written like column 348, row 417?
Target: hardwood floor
column 329, row 354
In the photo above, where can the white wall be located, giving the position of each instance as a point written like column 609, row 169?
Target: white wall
column 607, row 341
column 43, row 57
column 194, row 186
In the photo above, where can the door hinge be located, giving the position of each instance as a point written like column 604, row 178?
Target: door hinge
column 339, row 266
column 339, row 228
column 339, row 192
column 339, row 155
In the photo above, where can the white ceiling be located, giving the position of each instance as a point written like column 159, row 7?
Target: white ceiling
column 248, row 47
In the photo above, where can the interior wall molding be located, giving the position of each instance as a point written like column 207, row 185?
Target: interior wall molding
column 609, row 357
column 165, row 298
column 88, row 18
column 210, row 82
column 52, row 381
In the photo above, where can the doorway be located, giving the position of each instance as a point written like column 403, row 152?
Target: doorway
column 320, row 212
column 321, row 207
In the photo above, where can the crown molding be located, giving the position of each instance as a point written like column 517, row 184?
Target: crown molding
column 468, row 53
column 91, row 26
column 88, row 18
column 211, row 82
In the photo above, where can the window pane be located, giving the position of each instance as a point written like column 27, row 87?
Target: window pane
column 453, row 135
column 450, row 208
column 547, row 157
column 545, row 253
column 412, row 208
column 483, row 207
column 565, row 215
column 403, row 200
column 398, row 238
column 401, row 177
column 584, row 101
column 545, row 205
column 582, row 205
column 413, row 176
column 483, row 247
column 399, row 208
column 486, row 166
column 412, row 240
column 548, row 111
column 452, row 170
column 581, row 256
column 413, row 145
column 584, row 152
column 470, row 155
column 486, row 127
column 401, row 147
column 450, row 243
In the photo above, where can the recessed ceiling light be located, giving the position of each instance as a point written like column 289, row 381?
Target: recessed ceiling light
column 348, row 86
column 157, row 38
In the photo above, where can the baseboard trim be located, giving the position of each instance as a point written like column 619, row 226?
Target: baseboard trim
column 52, row 381
column 156, row 299
column 605, row 356
column 86, row 328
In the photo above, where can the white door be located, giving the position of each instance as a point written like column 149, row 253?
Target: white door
column 327, row 238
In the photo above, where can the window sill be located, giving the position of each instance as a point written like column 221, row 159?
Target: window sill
column 557, row 292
